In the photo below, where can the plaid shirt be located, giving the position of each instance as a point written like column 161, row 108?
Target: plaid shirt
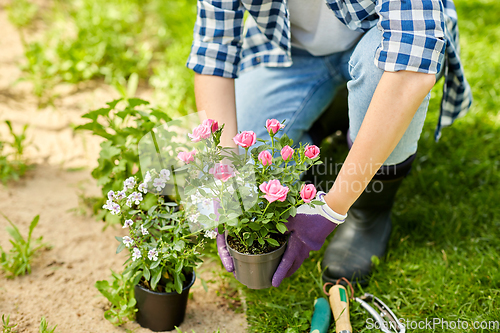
column 416, row 36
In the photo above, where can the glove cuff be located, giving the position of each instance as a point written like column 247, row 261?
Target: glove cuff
column 333, row 215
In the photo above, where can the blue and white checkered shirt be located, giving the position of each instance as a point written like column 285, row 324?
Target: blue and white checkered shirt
column 417, row 34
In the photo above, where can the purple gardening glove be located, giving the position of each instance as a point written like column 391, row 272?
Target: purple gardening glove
column 224, row 255
column 308, row 230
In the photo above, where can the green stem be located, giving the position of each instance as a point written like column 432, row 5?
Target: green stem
column 283, row 212
column 265, row 209
column 242, row 241
column 298, row 204
column 272, row 144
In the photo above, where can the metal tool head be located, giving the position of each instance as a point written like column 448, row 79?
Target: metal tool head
column 389, row 325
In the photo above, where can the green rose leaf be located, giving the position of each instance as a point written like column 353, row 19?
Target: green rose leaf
column 281, row 228
column 273, row 242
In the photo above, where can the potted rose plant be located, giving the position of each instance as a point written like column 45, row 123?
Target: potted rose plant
column 253, row 193
column 162, row 250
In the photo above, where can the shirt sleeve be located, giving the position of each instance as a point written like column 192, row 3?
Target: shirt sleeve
column 217, row 35
column 412, row 35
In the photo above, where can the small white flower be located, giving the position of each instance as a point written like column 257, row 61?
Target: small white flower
column 165, row 174
column 159, row 183
column 108, row 205
column 136, row 254
column 120, row 195
column 129, row 183
column 153, row 255
column 207, row 204
column 111, row 195
column 196, row 198
column 144, row 231
column 147, row 177
column 135, row 197
column 129, row 202
column 143, row 187
column 210, row 234
column 115, row 208
column 193, row 218
column 127, row 241
column 128, row 223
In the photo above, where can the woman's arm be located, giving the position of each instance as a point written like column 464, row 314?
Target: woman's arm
column 394, row 103
column 215, row 95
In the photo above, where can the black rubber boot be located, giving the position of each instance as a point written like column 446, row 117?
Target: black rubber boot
column 333, row 119
column 366, row 230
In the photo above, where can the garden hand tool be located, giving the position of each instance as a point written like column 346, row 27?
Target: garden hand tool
column 339, row 301
column 321, row 317
column 394, row 322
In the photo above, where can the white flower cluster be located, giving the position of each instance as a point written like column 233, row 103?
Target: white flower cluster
column 133, row 198
column 128, row 241
column 193, row 218
column 113, row 207
column 136, row 254
column 160, row 182
column 127, row 223
column 212, row 234
column 153, row 255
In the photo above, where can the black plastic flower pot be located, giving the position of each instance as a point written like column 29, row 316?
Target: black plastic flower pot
column 256, row 270
column 162, row 311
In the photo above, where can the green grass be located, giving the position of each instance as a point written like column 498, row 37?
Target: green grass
column 442, row 260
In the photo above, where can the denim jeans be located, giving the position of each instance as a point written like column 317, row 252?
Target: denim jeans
column 302, row 92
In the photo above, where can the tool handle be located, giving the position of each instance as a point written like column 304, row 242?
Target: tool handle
column 339, row 301
column 321, row 317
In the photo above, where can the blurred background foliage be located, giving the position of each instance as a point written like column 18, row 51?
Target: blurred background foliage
column 71, row 41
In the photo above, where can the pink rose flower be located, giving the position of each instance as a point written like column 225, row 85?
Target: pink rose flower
column 210, row 123
column 265, row 157
column 245, row 139
column 200, row 132
column 221, row 171
column 274, row 190
column 308, row 192
column 273, row 126
column 286, row 153
column 186, row 156
column 312, row 151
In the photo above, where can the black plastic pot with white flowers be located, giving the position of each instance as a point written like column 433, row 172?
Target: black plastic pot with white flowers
column 163, row 252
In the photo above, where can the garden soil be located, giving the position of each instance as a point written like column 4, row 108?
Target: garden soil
column 61, row 284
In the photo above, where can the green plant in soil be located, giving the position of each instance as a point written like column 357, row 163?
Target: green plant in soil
column 6, row 326
column 162, row 249
column 13, row 164
column 122, row 124
column 44, row 327
column 81, row 40
column 18, row 260
column 120, row 293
